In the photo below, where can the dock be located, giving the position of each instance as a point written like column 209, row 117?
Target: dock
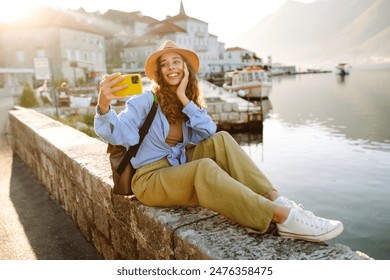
column 229, row 111
column 312, row 72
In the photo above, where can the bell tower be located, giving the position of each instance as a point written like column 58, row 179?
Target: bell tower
column 182, row 11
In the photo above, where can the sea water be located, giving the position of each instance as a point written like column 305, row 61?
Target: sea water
column 325, row 143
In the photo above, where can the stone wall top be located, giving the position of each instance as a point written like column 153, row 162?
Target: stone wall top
column 75, row 170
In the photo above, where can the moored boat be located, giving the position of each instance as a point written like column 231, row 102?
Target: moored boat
column 343, row 69
column 251, row 82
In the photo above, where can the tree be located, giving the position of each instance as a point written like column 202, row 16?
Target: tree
column 245, row 57
column 27, row 99
column 256, row 58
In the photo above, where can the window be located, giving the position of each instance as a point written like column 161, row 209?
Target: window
column 67, row 54
column 77, row 55
column 41, row 53
column 250, row 77
column 20, row 56
column 100, row 44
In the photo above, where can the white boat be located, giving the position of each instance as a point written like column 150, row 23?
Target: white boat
column 80, row 101
column 343, row 69
column 252, row 83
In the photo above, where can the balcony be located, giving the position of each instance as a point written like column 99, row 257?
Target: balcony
column 200, row 34
column 201, row 48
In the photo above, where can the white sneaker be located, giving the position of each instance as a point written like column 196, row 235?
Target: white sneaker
column 284, row 201
column 307, row 226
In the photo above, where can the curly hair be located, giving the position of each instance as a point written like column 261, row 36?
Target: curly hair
column 170, row 104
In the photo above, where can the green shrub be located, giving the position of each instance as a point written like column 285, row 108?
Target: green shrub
column 90, row 131
column 80, row 82
column 27, row 99
column 88, row 119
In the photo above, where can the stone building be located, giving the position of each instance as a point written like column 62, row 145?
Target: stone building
column 82, row 46
column 75, row 49
column 186, row 31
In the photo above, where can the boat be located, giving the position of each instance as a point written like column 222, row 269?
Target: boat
column 80, row 101
column 343, row 69
column 251, row 83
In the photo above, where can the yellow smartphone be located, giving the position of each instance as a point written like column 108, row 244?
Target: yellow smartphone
column 134, row 85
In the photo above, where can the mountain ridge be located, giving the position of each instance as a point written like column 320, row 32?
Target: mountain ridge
column 323, row 33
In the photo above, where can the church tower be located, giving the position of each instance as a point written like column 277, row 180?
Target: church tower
column 182, row 11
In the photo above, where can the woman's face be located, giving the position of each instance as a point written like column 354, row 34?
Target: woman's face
column 172, row 68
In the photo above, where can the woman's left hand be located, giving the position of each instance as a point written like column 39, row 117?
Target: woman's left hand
column 181, row 89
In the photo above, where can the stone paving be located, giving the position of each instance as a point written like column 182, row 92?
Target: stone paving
column 32, row 225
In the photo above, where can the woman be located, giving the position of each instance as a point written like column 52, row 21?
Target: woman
column 217, row 173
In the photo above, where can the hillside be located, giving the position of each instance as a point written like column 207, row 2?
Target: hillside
column 324, row 33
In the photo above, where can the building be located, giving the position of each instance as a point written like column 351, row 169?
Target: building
column 76, row 50
column 186, row 31
column 238, row 58
column 82, row 46
column 125, row 28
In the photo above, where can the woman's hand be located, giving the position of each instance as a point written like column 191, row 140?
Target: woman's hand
column 181, row 89
column 107, row 91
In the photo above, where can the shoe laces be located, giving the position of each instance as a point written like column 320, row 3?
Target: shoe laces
column 309, row 219
column 292, row 204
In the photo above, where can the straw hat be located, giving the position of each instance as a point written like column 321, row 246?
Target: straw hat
column 169, row 46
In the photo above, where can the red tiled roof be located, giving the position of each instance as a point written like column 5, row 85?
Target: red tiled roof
column 50, row 17
column 178, row 17
column 236, row 49
column 141, row 42
column 128, row 16
column 167, row 28
column 146, row 19
column 181, row 17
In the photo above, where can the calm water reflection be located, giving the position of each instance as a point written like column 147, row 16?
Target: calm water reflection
column 326, row 144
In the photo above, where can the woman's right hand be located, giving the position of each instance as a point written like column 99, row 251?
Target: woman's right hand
column 107, row 91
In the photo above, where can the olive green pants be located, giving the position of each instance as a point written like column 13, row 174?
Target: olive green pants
column 219, row 175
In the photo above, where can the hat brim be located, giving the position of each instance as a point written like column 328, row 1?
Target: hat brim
column 151, row 61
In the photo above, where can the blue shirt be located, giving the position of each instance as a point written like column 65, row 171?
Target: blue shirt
column 122, row 129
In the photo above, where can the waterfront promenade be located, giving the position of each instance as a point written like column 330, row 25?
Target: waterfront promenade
column 32, row 225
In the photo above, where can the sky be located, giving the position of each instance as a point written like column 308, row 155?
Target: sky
column 227, row 19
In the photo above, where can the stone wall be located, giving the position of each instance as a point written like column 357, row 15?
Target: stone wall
column 229, row 116
column 74, row 168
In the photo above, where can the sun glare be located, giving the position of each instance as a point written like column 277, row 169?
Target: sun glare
column 13, row 12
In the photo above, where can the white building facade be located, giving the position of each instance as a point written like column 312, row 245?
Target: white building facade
column 82, row 46
column 74, row 51
column 187, row 32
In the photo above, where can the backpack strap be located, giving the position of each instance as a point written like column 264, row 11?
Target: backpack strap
column 132, row 151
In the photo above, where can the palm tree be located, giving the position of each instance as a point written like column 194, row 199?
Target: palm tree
column 245, row 57
column 256, row 58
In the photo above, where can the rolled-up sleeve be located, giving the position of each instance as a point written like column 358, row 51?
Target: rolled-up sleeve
column 122, row 129
column 201, row 123
column 102, row 125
